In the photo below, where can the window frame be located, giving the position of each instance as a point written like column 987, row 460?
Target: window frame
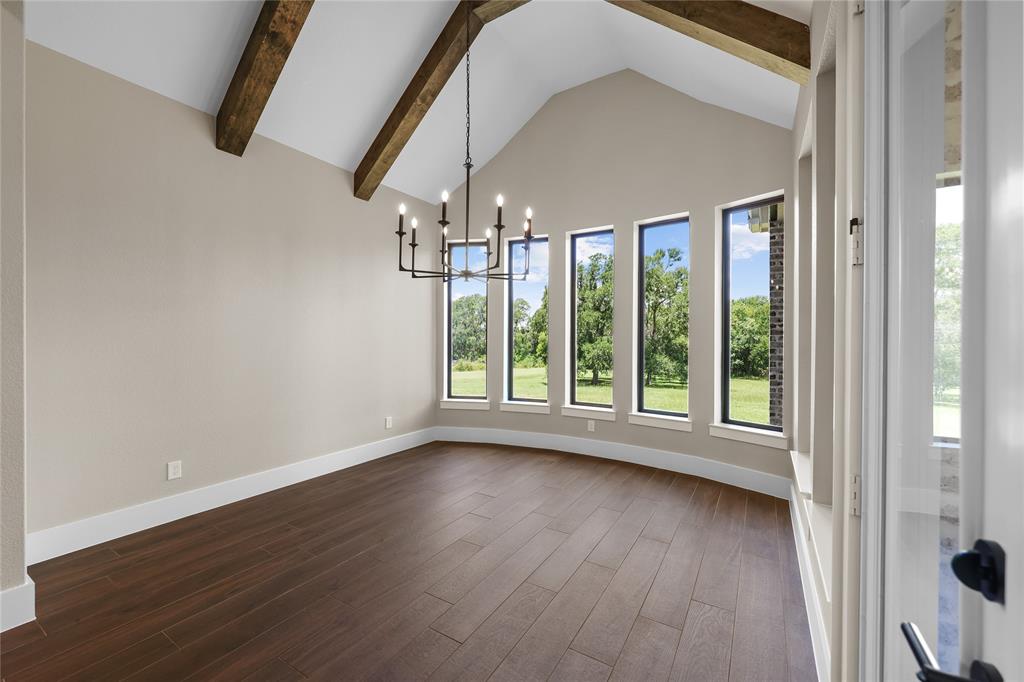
column 510, row 243
column 641, row 309
column 571, row 300
column 448, row 330
column 725, row 358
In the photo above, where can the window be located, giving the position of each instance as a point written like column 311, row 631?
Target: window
column 467, row 327
column 527, row 361
column 752, row 332
column 663, row 322
column 591, row 290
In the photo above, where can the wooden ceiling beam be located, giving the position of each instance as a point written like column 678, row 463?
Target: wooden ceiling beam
column 437, row 67
column 270, row 43
column 769, row 40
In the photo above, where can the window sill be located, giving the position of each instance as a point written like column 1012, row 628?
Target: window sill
column 606, row 414
column 661, row 421
column 465, row 404
column 746, row 434
column 524, row 406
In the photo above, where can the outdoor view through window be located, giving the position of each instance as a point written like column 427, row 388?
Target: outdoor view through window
column 467, row 326
column 528, row 323
column 664, row 306
column 593, row 267
column 747, row 288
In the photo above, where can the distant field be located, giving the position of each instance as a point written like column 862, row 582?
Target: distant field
column 748, row 397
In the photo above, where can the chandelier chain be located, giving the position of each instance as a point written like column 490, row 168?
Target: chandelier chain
column 469, row 159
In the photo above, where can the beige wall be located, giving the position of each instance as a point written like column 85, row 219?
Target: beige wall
column 12, row 299
column 236, row 314
column 610, row 152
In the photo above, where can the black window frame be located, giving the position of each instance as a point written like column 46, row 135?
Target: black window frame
column 573, row 236
column 510, row 332
column 726, row 364
column 641, row 312
column 448, row 331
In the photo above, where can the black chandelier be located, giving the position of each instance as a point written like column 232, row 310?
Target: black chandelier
column 450, row 271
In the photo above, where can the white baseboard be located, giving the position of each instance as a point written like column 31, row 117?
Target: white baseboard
column 815, row 618
column 741, row 477
column 18, row 605
column 70, row 537
column 53, row 542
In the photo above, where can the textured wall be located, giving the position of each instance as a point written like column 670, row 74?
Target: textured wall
column 237, row 314
column 613, row 151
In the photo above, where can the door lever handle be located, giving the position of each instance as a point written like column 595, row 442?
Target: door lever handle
column 982, row 568
column 929, row 667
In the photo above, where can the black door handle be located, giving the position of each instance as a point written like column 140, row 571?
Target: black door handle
column 983, row 569
column 929, row 667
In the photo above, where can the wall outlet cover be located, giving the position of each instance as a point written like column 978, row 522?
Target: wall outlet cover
column 174, row 470
column 387, row 422
column 590, row 425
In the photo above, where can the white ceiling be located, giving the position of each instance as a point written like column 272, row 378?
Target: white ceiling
column 353, row 60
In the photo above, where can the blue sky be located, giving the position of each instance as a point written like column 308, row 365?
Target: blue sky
column 748, row 258
column 533, row 288
column 668, row 236
column 477, row 261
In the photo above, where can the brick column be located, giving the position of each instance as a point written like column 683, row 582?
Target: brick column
column 776, row 272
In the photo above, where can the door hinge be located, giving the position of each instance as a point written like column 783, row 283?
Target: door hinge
column 855, row 495
column 858, row 9
column 856, row 242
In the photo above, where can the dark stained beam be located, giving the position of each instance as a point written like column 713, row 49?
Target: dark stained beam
column 264, row 56
column 437, row 67
column 761, row 37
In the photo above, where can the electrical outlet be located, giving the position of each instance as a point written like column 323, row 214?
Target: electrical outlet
column 387, row 422
column 590, row 425
column 174, row 470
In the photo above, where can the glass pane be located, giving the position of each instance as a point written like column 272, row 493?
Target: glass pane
column 754, row 390
column 923, row 450
column 664, row 369
column 467, row 331
column 528, row 323
column 594, row 268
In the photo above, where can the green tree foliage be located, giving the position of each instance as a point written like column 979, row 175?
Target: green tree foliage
column 469, row 328
column 749, row 336
column 666, row 316
column 530, row 333
column 594, row 293
column 948, row 278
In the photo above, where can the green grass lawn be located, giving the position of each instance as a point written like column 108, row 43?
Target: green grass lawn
column 748, row 400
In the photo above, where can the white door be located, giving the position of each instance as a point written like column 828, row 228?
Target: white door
column 954, row 440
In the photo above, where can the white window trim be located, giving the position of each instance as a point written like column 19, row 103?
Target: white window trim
column 606, row 414
column 505, row 349
column 747, row 434
column 570, row 272
column 465, row 404
column 661, row 421
column 635, row 345
column 524, row 406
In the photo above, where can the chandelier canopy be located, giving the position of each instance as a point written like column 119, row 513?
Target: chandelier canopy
column 449, row 270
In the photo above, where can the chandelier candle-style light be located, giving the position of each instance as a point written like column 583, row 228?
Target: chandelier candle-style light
column 450, row 271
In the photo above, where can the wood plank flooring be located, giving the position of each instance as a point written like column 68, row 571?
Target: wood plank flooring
column 448, row 561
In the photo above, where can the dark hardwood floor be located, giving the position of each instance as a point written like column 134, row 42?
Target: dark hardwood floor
column 449, row 561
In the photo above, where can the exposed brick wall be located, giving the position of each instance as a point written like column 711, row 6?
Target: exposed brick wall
column 776, row 272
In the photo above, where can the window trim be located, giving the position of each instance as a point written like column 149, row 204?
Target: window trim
column 509, row 334
column 570, row 300
column 448, row 395
column 639, row 310
column 725, row 310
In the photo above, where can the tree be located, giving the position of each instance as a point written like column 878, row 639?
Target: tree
column 666, row 316
column 522, row 343
column 948, row 278
column 594, row 293
column 469, row 328
column 748, row 336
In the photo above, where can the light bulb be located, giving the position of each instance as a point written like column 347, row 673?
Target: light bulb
column 487, row 232
column 526, row 226
column 500, row 200
column 444, row 195
column 529, row 213
column 414, row 223
column 444, row 231
column 401, row 209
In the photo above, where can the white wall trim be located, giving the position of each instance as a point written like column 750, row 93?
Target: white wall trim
column 660, row 421
column 605, row 414
column 815, row 619
column 53, row 542
column 465, row 404
column 524, row 407
column 18, row 605
column 750, row 479
column 746, row 434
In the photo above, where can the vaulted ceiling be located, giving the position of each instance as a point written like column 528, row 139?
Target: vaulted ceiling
column 353, row 60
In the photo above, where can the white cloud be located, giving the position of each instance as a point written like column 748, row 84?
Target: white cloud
column 744, row 244
column 588, row 246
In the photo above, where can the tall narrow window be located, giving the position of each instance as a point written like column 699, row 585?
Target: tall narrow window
column 467, row 327
column 752, row 274
column 527, row 361
column 663, row 325
column 592, row 260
